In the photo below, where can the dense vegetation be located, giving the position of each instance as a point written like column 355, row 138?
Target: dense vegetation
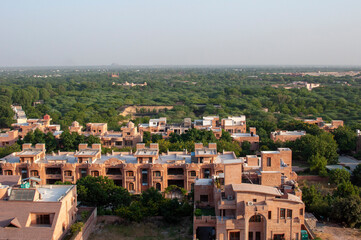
column 343, row 205
column 89, row 96
column 101, row 192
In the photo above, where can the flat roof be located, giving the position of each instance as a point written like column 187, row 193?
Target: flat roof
column 246, row 187
column 86, row 153
column 29, row 152
column 243, row 135
column 53, row 193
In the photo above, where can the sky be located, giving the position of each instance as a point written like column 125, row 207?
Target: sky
column 187, row 32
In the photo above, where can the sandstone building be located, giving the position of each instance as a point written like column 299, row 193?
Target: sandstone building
column 39, row 212
column 284, row 136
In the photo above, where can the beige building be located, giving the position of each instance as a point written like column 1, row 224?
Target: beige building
column 256, row 198
column 39, row 212
column 323, row 125
column 42, row 124
column 9, row 138
column 250, row 137
column 284, row 136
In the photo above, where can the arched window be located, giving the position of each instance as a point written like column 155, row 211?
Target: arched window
column 131, row 187
column 68, row 173
column 8, row 172
column 156, row 174
column 130, row 173
column 95, row 173
column 192, row 174
column 158, row 186
column 256, row 218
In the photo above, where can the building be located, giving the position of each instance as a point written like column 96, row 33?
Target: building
column 250, row 137
column 284, row 136
column 39, row 212
column 20, row 115
column 135, row 171
column 159, row 126
column 323, row 125
column 234, row 124
column 9, row 138
column 269, row 208
column 42, row 124
column 96, row 129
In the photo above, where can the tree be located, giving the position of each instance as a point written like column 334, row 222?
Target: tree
column 337, row 176
column 102, row 192
column 345, row 138
column 318, row 164
column 346, row 189
column 356, row 175
column 146, row 137
column 226, row 136
column 348, row 210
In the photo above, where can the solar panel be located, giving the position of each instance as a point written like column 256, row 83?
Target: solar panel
column 22, row 195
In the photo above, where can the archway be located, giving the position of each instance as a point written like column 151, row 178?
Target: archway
column 257, row 227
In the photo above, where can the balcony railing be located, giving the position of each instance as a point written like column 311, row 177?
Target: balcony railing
column 131, row 178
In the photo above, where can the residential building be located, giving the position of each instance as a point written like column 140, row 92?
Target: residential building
column 269, row 208
column 39, row 212
column 234, row 124
column 323, row 125
column 284, row 136
column 135, row 171
column 42, row 124
column 9, row 138
column 250, row 137
column 160, row 127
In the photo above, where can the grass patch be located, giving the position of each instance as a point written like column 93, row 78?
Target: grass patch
column 152, row 230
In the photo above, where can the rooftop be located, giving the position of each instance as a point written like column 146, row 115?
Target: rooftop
column 245, row 187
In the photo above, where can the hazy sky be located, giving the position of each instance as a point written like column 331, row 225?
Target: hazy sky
column 166, row 32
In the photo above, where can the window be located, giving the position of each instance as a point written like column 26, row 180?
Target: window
column 255, row 218
column 258, row 235
column 130, row 173
column 83, row 172
column 301, row 211
column 158, row 187
column 204, row 198
column 95, row 173
column 131, row 187
column 8, row 172
column 156, row 174
column 67, row 173
column 250, row 235
column 206, row 173
column 268, row 162
column 192, row 173
column 234, row 236
column 289, row 213
column 282, row 213
column 254, row 200
column 269, row 215
column 40, row 219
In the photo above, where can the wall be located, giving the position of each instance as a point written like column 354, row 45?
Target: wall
column 88, row 226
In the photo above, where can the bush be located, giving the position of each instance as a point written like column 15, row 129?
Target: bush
column 337, row 176
column 76, row 227
column 198, row 212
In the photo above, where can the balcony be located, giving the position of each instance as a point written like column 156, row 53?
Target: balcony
column 68, row 178
column 176, row 177
column 157, row 178
column 53, row 176
column 131, row 178
column 205, row 220
column 227, row 204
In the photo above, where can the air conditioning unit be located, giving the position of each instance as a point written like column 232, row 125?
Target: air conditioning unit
column 250, row 203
